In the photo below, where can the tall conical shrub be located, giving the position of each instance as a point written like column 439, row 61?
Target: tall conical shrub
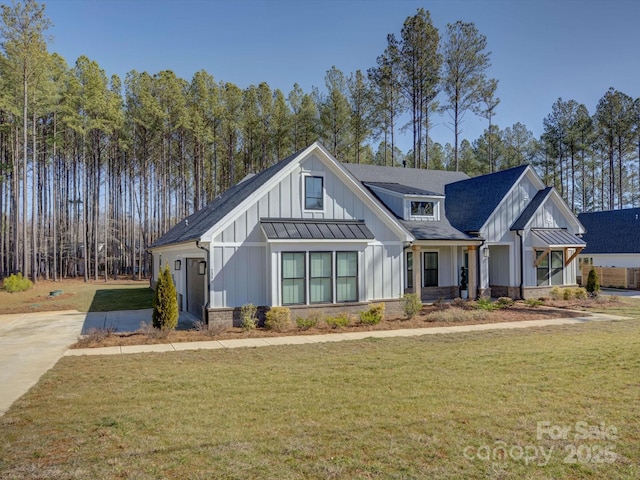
column 593, row 283
column 165, row 302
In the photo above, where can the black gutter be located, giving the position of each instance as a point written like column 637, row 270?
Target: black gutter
column 207, row 305
column 521, row 263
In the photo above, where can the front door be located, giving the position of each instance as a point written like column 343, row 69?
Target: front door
column 196, row 286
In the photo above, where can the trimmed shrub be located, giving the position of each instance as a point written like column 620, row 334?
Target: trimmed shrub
column 17, row 283
column 567, row 294
column 373, row 316
column 411, row 305
column 305, row 323
column 165, row 302
column 593, row 283
column 248, row 317
column 533, row 302
column 556, row 293
column 340, row 321
column 503, row 302
column 278, row 319
column 485, row 304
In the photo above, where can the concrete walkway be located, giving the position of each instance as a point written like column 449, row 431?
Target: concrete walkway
column 333, row 337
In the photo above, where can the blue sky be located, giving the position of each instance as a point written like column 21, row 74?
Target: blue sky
column 540, row 49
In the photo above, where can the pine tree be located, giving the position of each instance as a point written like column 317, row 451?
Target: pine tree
column 165, row 302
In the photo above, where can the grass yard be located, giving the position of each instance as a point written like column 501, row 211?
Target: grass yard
column 449, row 406
column 91, row 296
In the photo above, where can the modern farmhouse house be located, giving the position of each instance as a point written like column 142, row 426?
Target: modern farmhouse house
column 313, row 233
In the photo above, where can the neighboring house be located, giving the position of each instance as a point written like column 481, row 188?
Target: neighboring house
column 613, row 238
column 311, row 232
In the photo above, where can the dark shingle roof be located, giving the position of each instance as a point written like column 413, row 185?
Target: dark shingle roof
column 469, row 203
column 430, row 230
column 530, row 210
column 307, row 229
column 196, row 225
column 612, row 231
column 427, row 180
column 403, row 189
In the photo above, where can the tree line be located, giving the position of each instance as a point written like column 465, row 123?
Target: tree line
column 94, row 168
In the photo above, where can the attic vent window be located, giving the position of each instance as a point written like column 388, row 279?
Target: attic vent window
column 422, row 209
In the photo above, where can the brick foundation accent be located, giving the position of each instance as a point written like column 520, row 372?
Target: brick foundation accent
column 230, row 317
column 538, row 292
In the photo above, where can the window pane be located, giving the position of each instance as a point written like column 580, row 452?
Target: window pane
column 409, row 269
column 313, row 193
column 320, row 290
column 557, row 263
column 293, row 265
column 320, row 277
column 346, row 289
column 320, row 264
column 431, row 260
column 422, row 208
column 347, row 264
column 544, row 262
column 292, row 291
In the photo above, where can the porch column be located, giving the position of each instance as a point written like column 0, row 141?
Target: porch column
column 473, row 271
column 417, row 270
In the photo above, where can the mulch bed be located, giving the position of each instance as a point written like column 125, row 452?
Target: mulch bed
column 516, row 313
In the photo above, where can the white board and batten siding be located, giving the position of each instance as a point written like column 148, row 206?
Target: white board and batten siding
column 246, row 266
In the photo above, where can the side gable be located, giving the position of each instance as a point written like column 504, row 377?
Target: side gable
column 279, row 195
column 613, row 231
column 470, row 203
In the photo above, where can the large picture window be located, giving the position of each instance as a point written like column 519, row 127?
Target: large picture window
column 313, row 193
column 346, row 276
column 293, row 278
column 320, row 275
column 430, row 269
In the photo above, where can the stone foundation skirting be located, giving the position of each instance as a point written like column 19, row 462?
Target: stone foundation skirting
column 230, row 317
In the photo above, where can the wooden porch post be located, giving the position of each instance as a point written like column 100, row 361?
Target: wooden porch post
column 417, row 270
column 473, row 271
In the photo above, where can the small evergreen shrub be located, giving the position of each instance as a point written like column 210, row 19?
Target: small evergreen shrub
column 306, row 323
column 486, row 305
column 593, row 283
column 248, row 317
column 278, row 319
column 373, row 316
column 340, row 321
column 165, row 302
column 411, row 305
column 504, row 302
column 17, row 283
column 533, row 302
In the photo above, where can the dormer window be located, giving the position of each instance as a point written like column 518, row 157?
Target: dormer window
column 422, row 209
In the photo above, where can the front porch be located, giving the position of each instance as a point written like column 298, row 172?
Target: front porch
column 442, row 271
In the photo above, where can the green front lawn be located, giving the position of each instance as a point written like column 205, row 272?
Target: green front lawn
column 425, row 407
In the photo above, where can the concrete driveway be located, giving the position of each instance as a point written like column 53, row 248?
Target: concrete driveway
column 32, row 343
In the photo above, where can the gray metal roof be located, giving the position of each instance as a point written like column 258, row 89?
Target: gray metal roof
column 403, row 189
column 558, row 237
column 426, row 180
column 309, row 229
column 612, row 231
column 530, row 210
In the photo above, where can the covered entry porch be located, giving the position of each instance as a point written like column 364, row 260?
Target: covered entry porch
column 442, row 270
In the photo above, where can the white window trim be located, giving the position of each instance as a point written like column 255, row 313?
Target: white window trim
column 436, row 208
column 303, row 190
